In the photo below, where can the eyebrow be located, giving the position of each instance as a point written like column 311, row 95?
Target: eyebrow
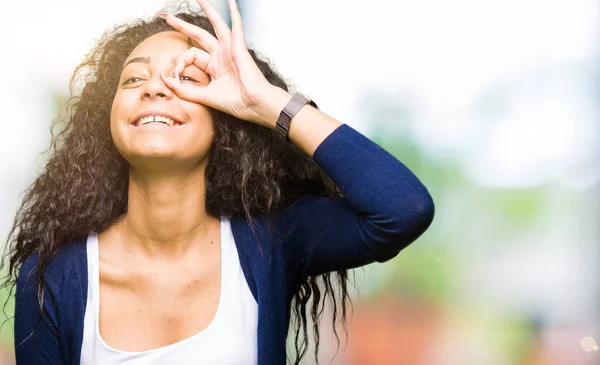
column 137, row 59
column 190, row 42
column 143, row 60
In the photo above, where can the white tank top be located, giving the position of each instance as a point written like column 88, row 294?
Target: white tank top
column 230, row 339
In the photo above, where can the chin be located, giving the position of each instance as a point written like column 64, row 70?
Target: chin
column 156, row 154
column 161, row 160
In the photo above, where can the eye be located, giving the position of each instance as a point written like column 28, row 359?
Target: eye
column 186, row 78
column 136, row 79
column 130, row 80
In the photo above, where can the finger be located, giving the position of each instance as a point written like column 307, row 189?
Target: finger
column 202, row 36
column 237, row 29
column 193, row 56
column 196, row 94
column 221, row 28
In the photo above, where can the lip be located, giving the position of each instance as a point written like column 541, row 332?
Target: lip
column 178, row 122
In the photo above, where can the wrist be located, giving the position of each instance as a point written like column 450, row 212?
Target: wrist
column 270, row 107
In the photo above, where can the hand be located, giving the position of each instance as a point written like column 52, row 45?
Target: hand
column 237, row 85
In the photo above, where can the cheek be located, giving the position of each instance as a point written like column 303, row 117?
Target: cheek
column 202, row 129
column 117, row 111
column 198, row 112
column 118, row 115
column 200, row 115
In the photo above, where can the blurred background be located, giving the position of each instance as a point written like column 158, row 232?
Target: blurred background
column 493, row 104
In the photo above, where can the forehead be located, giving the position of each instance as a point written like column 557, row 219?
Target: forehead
column 167, row 43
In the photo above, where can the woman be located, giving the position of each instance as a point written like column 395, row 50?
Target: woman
column 180, row 219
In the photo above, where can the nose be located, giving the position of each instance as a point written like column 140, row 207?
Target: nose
column 156, row 88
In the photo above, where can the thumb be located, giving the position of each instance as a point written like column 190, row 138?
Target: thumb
column 196, row 94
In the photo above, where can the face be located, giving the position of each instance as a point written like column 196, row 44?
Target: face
column 142, row 96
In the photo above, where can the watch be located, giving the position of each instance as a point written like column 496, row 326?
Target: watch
column 296, row 103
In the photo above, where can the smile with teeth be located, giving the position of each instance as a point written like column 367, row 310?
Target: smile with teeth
column 157, row 118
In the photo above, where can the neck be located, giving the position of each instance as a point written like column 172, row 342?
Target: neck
column 166, row 213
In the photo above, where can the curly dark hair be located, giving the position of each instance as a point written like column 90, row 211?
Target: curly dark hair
column 84, row 187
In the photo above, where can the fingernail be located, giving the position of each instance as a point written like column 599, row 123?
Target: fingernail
column 166, row 81
column 176, row 73
column 162, row 14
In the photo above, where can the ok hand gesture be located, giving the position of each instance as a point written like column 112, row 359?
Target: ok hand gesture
column 237, row 85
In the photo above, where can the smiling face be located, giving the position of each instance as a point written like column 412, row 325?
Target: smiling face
column 179, row 132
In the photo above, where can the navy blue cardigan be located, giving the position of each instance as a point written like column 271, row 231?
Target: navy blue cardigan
column 384, row 208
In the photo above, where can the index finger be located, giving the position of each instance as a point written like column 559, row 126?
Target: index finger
column 193, row 56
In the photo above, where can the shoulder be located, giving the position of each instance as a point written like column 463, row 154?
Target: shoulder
column 66, row 271
column 55, row 332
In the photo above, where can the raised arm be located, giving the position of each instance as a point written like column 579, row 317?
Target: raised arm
column 384, row 208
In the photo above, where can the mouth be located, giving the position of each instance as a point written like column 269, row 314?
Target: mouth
column 156, row 119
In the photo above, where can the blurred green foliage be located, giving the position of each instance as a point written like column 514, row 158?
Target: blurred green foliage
column 7, row 302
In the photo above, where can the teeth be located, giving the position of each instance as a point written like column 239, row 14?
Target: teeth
column 156, row 118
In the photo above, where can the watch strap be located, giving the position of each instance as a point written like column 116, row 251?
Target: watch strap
column 293, row 106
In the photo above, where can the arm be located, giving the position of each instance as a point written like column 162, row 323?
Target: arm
column 36, row 339
column 309, row 127
column 384, row 208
